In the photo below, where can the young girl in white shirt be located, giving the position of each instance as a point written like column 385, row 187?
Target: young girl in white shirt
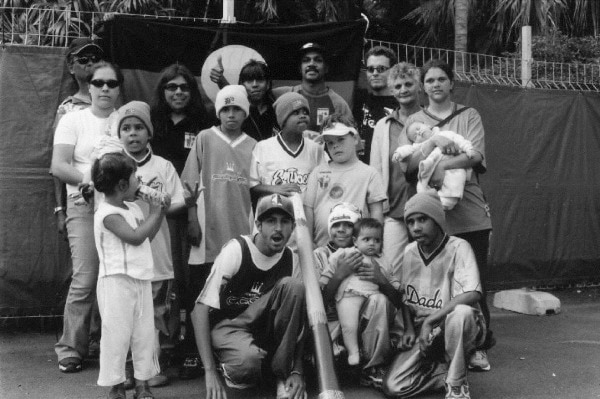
column 124, row 288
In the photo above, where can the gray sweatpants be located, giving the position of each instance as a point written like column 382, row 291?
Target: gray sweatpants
column 271, row 329
column 412, row 372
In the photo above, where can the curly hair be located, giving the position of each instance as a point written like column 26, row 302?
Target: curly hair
column 404, row 70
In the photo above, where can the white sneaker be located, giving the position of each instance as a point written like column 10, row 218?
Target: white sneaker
column 479, row 361
column 458, row 391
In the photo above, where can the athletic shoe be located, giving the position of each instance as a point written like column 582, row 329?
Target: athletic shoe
column 93, row 349
column 70, row 365
column 232, row 384
column 191, row 368
column 159, row 380
column 458, row 391
column 372, row 377
column 479, row 361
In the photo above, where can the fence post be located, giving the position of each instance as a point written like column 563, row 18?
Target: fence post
column 526, row 59
column 228, row 12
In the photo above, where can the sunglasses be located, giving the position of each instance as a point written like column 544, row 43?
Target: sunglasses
column 378, row 68
column 174, row 87
column 99, row 83
column 85, row 59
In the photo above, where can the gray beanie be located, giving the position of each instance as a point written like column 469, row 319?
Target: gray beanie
column 288, row 103
column 140, row 110
column 429, row 204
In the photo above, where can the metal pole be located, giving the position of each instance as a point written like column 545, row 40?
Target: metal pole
column 526, row 59
column 228, row 12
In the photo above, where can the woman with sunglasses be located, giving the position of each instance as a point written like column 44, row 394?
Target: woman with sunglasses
column 74, row 139
column 178, row 115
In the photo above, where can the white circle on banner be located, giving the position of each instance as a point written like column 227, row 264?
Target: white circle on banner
column 233, row 58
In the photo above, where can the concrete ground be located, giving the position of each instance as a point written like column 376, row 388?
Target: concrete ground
column 536, row 357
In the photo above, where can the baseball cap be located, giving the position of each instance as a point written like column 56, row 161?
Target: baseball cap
column 83, row 43
column 311, row 46
column 274, row 202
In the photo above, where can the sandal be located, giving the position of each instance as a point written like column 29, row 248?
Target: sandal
column 142, row 392
column 117, row 392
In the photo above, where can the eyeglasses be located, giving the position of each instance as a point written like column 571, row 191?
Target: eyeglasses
column 85, row 59
column 174, row 87
column 99, row 83
column 378, row 68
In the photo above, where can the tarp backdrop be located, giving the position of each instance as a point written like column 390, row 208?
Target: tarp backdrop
column 542, row 149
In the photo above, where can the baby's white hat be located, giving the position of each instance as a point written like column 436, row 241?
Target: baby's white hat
column 232, row 95
column 343, row 212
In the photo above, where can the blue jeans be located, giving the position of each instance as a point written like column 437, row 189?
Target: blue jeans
column 82, row 291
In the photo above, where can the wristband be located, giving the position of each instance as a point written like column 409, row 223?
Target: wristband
column 59, row 209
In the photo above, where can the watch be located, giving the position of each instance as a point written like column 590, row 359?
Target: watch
column 59, row 209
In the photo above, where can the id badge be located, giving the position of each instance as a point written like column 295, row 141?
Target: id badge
column 188, row 142
column 322, row 114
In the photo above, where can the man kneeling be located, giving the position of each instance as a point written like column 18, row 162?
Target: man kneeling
column 441, row 287
column 250, row 315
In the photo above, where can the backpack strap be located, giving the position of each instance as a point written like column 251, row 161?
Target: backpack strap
column 452, row 115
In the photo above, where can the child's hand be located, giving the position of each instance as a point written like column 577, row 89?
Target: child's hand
column 286, row 189
column 396, row 158
column 165, row 203
column 191, row 196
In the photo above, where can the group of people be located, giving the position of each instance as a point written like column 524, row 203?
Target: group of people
column 192, row 211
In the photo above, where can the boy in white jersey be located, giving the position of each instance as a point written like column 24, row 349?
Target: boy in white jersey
column 135, row 130
column 281, row 164
column 441, row 287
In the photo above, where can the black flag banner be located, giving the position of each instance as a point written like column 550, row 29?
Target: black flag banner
column 142, row 47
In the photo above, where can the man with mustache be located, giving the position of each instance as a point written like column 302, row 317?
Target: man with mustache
column 377, row 102
column 250, row 315
column 323, row 101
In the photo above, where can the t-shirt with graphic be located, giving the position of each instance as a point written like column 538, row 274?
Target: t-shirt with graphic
column 368, row 109
column 160, row 174
column 330, row 183
column 274, row 163
column 221, row 166
column 230, row 262
column 429, row 283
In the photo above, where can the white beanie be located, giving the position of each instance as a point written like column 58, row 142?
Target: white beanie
column 343, row 212
column 232, row 95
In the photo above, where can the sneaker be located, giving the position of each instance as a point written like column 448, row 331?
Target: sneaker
column 232, row 384
column 93, row 349
column 458, row 391
column 70, row 365
column 479, row 361
column 282, row 393
column 372, row 377
column 191, row 368
column 159, row 380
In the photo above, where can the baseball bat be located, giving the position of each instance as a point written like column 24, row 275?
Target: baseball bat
column 317, row 318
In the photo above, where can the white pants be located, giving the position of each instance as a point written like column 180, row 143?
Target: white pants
column 395, row 239
column 125, row 305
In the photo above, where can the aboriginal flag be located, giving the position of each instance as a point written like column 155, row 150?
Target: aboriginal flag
column 142, row 47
